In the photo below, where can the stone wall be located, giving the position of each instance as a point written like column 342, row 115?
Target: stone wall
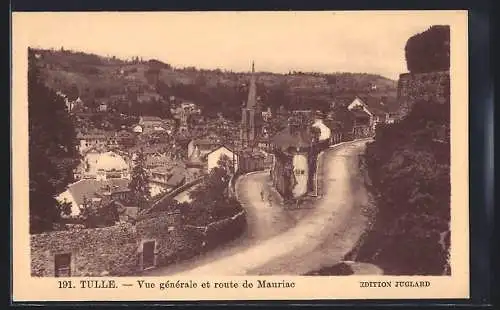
column 218, row 232
column 282, row 174
column 166, row 230
column 225, row 230
column 94, row 252
column 434, row 86
column 117, row 250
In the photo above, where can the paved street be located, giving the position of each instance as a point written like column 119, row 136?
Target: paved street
column 291, row 242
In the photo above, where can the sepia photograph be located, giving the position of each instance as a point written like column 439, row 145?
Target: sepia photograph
column 291, row 144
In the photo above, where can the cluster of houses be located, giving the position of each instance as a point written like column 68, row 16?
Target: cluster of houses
column 369, row 112
column 295, row 148
column 196, row 145
column 70, row 103
column 180, row 150
column 305, row 133
column 108, row 159
column 154, row 124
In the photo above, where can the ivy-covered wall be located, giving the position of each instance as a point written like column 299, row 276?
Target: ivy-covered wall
column 117, row 250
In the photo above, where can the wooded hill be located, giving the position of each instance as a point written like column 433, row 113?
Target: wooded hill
column 94, row 77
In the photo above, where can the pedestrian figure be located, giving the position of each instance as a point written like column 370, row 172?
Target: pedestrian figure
column 262, row 195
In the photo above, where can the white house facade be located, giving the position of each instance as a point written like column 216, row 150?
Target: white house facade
column 103, row 166
column 137, row 129
column 325, row 131
column 376, row 111
column 214, row 157
column 301, row 173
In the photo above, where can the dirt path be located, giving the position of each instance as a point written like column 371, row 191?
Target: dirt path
column 278, row 241
column 338, row 220
column 265, row 219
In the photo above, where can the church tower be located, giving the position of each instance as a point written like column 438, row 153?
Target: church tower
column 251, row 114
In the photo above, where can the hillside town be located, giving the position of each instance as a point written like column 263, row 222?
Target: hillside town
column 170, row 163
column 188, row 145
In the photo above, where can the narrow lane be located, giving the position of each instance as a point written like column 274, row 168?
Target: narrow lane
column 282, row 241
column 338, row 221
column 265, row 219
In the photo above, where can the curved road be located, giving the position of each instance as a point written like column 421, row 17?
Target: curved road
column 280, row 241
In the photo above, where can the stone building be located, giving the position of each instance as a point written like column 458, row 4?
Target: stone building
column 361, row 127
column 428, row 78
column 127, row 249
column 199, row 148
column 378, row 112
column 93, row 190
column 293, row 153
column 253, row 160
column 154, row 124
column 104, row 166
column 325, row 132
column 96, row 139
column 166, row 178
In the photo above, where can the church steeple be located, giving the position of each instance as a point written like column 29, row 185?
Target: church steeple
column 252, row 91
column 251, row 114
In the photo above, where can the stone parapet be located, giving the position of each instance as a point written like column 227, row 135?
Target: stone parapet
column 431, row 86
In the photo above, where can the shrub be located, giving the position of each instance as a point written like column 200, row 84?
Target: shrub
column 429, row 51
column 410, row 174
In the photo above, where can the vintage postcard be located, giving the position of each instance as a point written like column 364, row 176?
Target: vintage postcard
column 166, row 156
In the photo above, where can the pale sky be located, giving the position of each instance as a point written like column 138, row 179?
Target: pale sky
column 371, row 42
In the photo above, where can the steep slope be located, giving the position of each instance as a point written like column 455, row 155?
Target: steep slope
column 96, row 77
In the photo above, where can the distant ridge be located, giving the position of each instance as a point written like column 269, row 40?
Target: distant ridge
column 216, row 91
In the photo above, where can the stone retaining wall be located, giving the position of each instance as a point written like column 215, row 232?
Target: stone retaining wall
column 94, row 252
column 219, row 232
column 433, row 86
column 117, row 250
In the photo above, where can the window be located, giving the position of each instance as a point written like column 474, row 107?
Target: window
column 62, row 265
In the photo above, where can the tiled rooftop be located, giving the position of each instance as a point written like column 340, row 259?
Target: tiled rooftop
column 89, row 188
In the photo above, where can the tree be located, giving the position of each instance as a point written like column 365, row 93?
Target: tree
column 73, row 92
column 343, row 117
column 315, row 133
column 226, row 163
column 52, row 151
column 98, row 214
column 410, row 171
column 215, row 185
column 139, row 184
column 210, row 200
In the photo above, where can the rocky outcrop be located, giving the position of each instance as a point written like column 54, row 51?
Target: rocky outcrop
column 431, row 86
column 428, row 61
